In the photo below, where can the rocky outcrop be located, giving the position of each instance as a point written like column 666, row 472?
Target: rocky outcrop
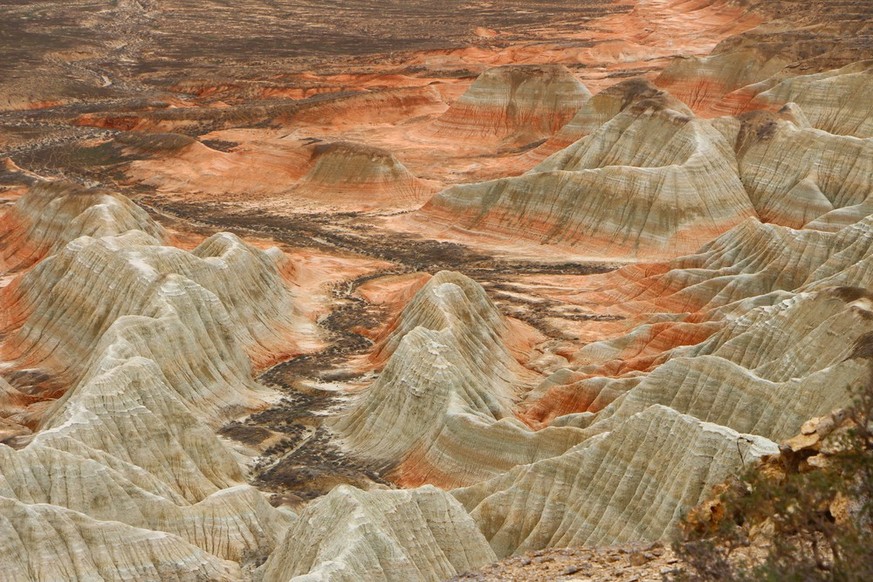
column 704, row 82
column 146, row 279
column 123, row 356
column 625, row 485
column 652, row 181
column 601, row 108
column 450, row 381
column 43, row 542
column 618, row 403
column 799, row 176
column 413, row 535
column 54, row 213
column 834, row 101
column 764, row 372
column 514, row 104
column 353, row 175
column 752, row 265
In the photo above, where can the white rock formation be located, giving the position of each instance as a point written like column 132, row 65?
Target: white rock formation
column 441, row 410
column 55, row 213
column 650, row 182
column 44, row 542
column 398, row 536
column 136, row 352
column 834, row 101
column 515, row 104
column 629, row 484
column 803, row 177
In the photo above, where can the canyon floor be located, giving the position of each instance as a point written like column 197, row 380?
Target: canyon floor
column 408, row 291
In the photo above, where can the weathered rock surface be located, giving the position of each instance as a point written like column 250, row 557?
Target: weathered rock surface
column 704, row 82
column 604, row 106
column 43, row 542
column 124, row 355
column 651, row 181
column 358, row 176
column 834, row 101
column 58, row 312
column 625, row 485
column 514, row 104
column 802, row 177
column 450, row 381
column 617, row 404
column 414, row 535
column 53, row 214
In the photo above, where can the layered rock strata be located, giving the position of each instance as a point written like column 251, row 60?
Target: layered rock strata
column 450, row 381
column 514, row 104
column 123, row 356
column 418, row 534
column 650, row 181
column 353, row 175
column 628, row 484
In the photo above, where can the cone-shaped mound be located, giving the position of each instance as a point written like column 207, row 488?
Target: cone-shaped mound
column 767, row 302
column 765, row 373
column 450, row 300
column 603, row 107
column 753, row 264
column 703, row 82
column 359, row 176
column 449, row 382
column 125, row 355
column 51, row 214
column 349, row 535
column 59, row 309
column 514, row 103
column 45, row 542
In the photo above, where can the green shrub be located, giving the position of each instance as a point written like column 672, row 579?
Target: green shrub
column 803, row 516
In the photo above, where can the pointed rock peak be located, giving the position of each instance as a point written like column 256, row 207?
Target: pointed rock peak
column 640, row 94
column 449, row 300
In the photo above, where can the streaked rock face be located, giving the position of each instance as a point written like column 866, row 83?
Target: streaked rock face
column 124, row 472
column 44, row 542
column 343, row 173
column 833, row 101
column 650, row 181
column 605, row 105
column 514, row 104
column 449, row 382
column 624, row 485
column 704, row 82
column 803, row 177
column 417, row 534
column 299, row 398
column 56, row 213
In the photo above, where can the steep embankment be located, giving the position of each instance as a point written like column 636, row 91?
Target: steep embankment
column 123, row 355
column 650, row 181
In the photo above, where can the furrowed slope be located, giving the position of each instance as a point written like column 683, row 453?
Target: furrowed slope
column 414, row 535
column 123, row 356
column 514, row 105
column 450, row 381
column 649, row 182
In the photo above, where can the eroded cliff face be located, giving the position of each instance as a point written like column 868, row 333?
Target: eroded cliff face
column 123, row 356
column 394, row 310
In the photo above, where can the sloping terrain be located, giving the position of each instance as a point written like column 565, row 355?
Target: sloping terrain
column 651, row 181
column 123, row 447
column 347, row 291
